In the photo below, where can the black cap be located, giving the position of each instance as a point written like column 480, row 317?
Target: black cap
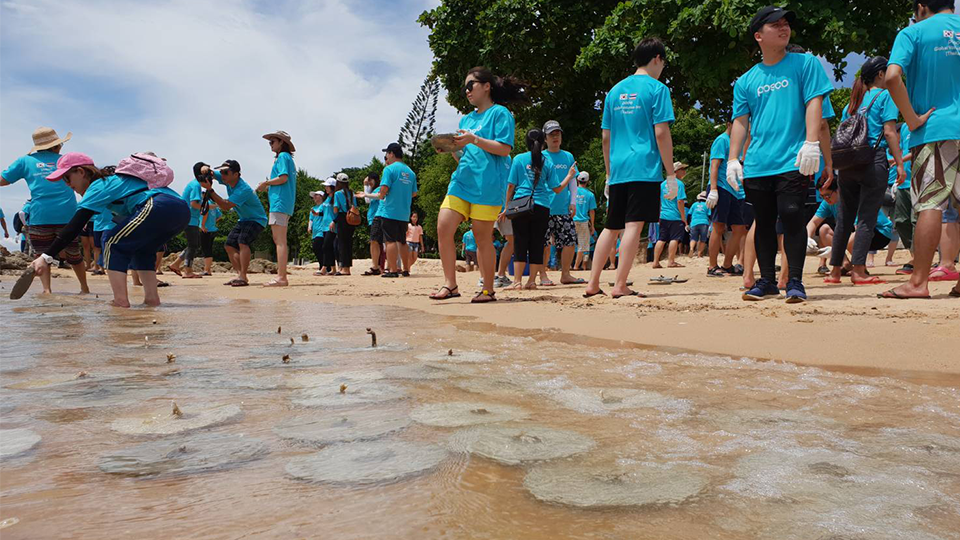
column 768, row 15
column 872, row 67
column 231, row 164
column 196, row 169
column 395, row 149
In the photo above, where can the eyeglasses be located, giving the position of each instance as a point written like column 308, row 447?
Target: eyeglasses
column 66, row 180
column 467, row 88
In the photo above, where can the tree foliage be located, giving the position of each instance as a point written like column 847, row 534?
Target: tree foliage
column 421, row 121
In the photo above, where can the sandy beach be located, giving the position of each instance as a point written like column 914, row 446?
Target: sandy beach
column 841, row 327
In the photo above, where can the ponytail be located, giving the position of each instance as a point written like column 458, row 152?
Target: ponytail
column 96, row 173
column 856, row 96
column 536, row 142
column 503, row 90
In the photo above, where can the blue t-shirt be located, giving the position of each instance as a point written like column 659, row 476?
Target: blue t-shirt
column 213, row 214
column 884, row 225
column 374, row 205
column 282, row 197
column 120, row 194
column 720, row 149
column 586, row 201
column 481, row 177
column 340, row 201
column 630, row 111
column 826, row 211
column 54, row 203
column 521, row 175
column 700, row 214
column 316, row 221
column 249, row 207
column 560, row 205
column 403, row 186
column 775, row 99
column 103, row 222
column 193, row 193
column 469, row 244
column 328, row 218
column 668, row 207
column 883, row 110
column 929, row 54
column 904, row 150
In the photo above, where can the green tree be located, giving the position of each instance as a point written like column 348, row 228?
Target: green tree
column 420, row 123
column 432, row 181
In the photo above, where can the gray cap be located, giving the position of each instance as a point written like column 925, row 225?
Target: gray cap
column 551, row 126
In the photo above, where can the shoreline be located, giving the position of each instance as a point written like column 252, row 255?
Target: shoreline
column 841, row 328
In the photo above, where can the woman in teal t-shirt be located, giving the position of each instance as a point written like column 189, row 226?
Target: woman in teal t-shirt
column 484, row 141
column 315, row 228
column 281, row 190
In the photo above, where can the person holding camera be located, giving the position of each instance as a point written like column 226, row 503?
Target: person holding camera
column 253, row 219
column 193, row 195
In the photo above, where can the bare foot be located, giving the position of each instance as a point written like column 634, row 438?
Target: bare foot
column 516, row 286
column 657, row 265
column 85, row 290
column 151, row 303
column 118, row 304
column 907, row 290
column 675, row 265
column 530, row 287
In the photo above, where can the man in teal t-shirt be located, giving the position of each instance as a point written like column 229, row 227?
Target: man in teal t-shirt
column 928, row 54
column 469, row 250
column 726, row 202
column 699, row 225
column 397, row 190
column 774, row 98
column 673, row 220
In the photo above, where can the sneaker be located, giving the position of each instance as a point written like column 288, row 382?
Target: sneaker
column 795, row 292
column 502, row 281
column 480, row 283
column 716, row 271
column 823, row 270
column 905, row 270
column 762, row 289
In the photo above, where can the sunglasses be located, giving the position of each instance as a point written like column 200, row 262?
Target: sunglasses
column 467, row 88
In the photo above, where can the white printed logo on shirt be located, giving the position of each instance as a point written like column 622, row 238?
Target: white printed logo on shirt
column 766, row 88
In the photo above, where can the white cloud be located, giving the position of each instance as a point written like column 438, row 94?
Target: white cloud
column 204, row 80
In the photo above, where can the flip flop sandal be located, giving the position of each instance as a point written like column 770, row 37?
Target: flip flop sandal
column 947, row 275
column 613, row 284
column 232, row 281
column 206, row 274
column 578, row 281
column 831, row 281
column 162, row 283
column 905, row 270
column 23, row 283
column 872, row 280
column 484, row 297
column 274, row 283
column 451, row 293
column 372, row 272
column 591, row 295
column 894, row 295
column 240, row 283
column 175, row 271
column 547, row 283
column 662, row 280
column 631, row 293
column 192, row 276
column 676, row 279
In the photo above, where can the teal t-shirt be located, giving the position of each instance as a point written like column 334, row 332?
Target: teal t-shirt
column 883, row 110
column 316, row 221
column 720, row 149
column 103, row 222
column 54, row 203
column 884, row 225
column 699, row 214
column 403, row 186
column 775, row 99
column 283, row 197
column 213, row 214
column 340, row 201
column 586, row 201
column 904, row 150
column 522, row 176
column 481, row 177
column 469, row 243
column 120, row 194
column 668, row 207
column 630, row 111
column 193, row 193
column 826, row 211
column 374, row 205
column 561, row 202
column 929, row 54
column 248, row 205
column 328, row 217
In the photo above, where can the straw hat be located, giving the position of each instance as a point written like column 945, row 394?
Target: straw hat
column 283, row 136
column 677, row 165
column 45, row 138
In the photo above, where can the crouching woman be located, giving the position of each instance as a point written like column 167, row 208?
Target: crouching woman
column 146, row 211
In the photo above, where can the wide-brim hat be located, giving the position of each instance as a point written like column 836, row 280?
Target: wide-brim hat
column 678, row 165
column 45, row 138
column 702, row 196
column 283, row 136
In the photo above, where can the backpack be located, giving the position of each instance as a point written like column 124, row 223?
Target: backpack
column 850, row 146
column 147, row 167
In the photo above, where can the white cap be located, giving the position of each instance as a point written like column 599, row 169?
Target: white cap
column 342, row 177
column 330, row 182
column 312, row 193
column 584, row 176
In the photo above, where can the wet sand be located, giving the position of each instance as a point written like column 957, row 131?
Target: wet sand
column 841, row 327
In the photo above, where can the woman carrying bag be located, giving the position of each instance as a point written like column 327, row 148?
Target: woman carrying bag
column 347, row 218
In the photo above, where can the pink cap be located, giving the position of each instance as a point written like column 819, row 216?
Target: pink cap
column 67, row 162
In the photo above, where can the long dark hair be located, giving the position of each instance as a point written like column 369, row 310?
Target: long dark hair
column 536, row 142
column 868, row 72
column 503, row 90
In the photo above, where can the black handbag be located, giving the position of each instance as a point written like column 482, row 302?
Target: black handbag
column 522, row 206
column 849, row 146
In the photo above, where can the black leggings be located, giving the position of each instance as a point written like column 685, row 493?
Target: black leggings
column 329, row 249
column 530, row 235
column 345, row 241
column 318, row 249
column 206, row 244
column 861, row 194
column 780, row 196
column 192, row 233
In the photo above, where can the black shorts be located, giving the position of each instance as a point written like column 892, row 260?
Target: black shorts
column 243, row 233
column 394, row 230
column 878, row 242
column 788, row 183
column 632, row 202
column 671, row 230
column 87, row 230
column 729, row 209
column 376, row 230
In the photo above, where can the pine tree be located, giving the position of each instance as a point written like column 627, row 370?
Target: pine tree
column 421, row 121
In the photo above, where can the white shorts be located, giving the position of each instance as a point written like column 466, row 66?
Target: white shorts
column 583, row 236
column 505, row 227
column 279, row 218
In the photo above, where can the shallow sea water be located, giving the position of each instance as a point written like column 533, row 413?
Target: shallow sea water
column 662, row 445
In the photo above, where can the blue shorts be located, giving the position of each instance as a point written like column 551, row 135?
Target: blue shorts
column 729, row 209
column 951, row 214
column 671, row 230
column 700, row 233
column 134, row 243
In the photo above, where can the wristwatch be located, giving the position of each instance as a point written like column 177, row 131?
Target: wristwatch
column 47, row 258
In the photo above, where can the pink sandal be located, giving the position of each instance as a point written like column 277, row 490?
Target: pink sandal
column 945, row 274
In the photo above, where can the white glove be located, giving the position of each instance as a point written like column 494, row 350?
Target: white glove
column 734, row 172
column 712, row 199
column 808, row 158
column 672, row 188
column 812, row 247
column 606, row 190
column 732, row 182
column 825, row 252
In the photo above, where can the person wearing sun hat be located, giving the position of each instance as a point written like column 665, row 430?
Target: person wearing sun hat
column 53, row 203
column 147, row 213
column 281, row 190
